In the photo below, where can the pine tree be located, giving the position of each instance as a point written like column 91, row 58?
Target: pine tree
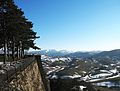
column 16, row 30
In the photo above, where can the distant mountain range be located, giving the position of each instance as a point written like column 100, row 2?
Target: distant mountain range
column 54, row 53
column 109, row 54
column 94, row 54
column 51, row 52
column 82, row 54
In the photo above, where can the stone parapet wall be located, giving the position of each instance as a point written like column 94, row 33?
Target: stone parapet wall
column 29, row 79
column 23, row 76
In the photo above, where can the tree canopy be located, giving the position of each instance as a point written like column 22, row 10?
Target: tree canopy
column 16, row 33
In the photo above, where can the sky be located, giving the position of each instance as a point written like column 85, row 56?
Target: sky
column 75, row 25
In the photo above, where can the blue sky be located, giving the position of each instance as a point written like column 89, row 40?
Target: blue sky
column 74, row 24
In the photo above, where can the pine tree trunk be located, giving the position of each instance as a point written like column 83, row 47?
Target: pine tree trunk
column 20, row 49
column 22, row 52
column 8, row 51
column 13, row 49
column 5, row 51
column 18, row 52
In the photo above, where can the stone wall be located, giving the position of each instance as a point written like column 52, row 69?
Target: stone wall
column 27, row 77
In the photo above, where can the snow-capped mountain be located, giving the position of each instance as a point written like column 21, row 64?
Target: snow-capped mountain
column 52, row 52
column 79, row 54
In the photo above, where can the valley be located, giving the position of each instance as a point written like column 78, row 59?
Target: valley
column 101, row 71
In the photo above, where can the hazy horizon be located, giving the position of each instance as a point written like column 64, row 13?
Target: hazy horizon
column 75, row 50
column 75, row 24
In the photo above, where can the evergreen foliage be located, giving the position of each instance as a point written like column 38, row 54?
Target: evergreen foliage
column 15, row 30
